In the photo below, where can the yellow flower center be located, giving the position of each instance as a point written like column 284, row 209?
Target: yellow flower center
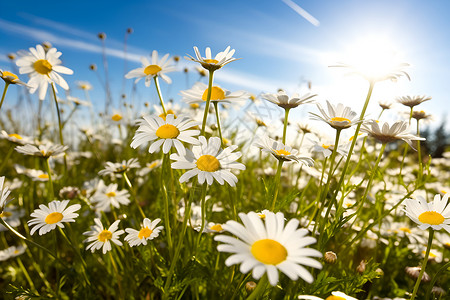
column 430, row 255
column 9, row 74
column 152, row 69
column 262, row 216
column 326, row 146
column 53, row 218
column 169, row 112
column 116, row 117
column 5, row 214
column 340, row 119
column 15, row 135
column 16, row 251
column 431, row 217
column 216, row 227
column 211, row 61
column 216, row 94
column 152, row 165
column 194, row 105
column 444, row 192
column 332, row 297
column 111, row 194
column 282, row 152
column 144, row 233
column 208, row 163
column 405, row 229
column 104, row 236
column 43, row 176
column 42, row 66
column 269, row 252
column 167, row 131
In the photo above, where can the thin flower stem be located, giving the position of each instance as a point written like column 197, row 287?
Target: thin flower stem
column 6, row 159
column 61, row 139
column 208, row 100
column 203, row 207
column 324, row 164
column 51, row 194
column 260, row 288
column 166, row 202
column 419, row 154
column 27, row 276
column 116, row 271
column 216, row 109
column 4, row 93
column 431, row 285
column 424, row 263
column 159, row 94
column 125, row 176
column 286, row 114
column 277, row 184
column 352, row 146
column 405, row 151
column 70, row 115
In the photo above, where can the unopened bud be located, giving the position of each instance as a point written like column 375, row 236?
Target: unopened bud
column 93, row 67
column 361, row 267
column 176, row 58
column 250, row 286
column 11, row 56
column 130, row 30
column 379, row 272
column 47, row 46
column 185, row 70
column 330, row 257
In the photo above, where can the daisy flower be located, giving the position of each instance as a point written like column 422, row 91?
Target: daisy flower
column 117, row 168
column 269, row 246
column 101, row 238
column 338, row 116
column 212, row 64
column 47, row 218
column 43, row 68
column 281, row 151
column 412, row 101
column 105, row 196
column 283, row 100
column 152, row 69
column 83, row 85
column 147, row 232
column 10, row 78
column 16, row 138
column 387, row 133
column 199, row 93
column 44, row 151
column 11, row 252
column 4, row 193
column 209, row 162
column 435, row 214
column 169, row 132
column 325, row 147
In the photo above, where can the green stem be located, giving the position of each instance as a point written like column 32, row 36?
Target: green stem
column 5, row 160
column 4, row 93
column 203, row 207
column 27, row 276
column 166, row 202
column 430, row 286
column 424, row 263
column 61, row 139
column 216, row 109
column 116, row 271
column 277, row 184
column 208, row 100
column 159, row 94
column 51, row 194
column 125, row 176
column 355, row 137
column 419, row 154
column 286, row 114
column 70, row 115
column 260, row 288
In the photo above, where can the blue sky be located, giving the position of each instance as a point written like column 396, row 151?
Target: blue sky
column 279, row 48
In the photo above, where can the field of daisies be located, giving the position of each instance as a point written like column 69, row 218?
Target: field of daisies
column 175, row 201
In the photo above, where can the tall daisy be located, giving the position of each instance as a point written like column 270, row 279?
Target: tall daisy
column 434, row 214
column 43, row 68
column 118, row 168
column 153, row 68
column 166, row 133
column 282, row 152
column 102, row 238
column 148, row 231
column 283, row 100
column 199, row 92
column 210, row 63
column 209, row 162
column 269, row 246
column 47, row 218
column 337, row 116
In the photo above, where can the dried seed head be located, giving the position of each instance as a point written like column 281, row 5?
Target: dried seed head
column 250, row 286
column 330, row 257
column 361, row 267
column 101, row 35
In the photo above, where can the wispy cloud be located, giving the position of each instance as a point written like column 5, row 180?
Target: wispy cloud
column 302, row 12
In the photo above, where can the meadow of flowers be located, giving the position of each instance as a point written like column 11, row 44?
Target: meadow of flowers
column 177, row 202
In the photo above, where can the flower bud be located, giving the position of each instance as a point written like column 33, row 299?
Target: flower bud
column 93, row 67
column 11, row 56
column 361, row 267
column 101, row 35
column 414, row 272
column 250, row 286
column 330, row 257
column 130, row 30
